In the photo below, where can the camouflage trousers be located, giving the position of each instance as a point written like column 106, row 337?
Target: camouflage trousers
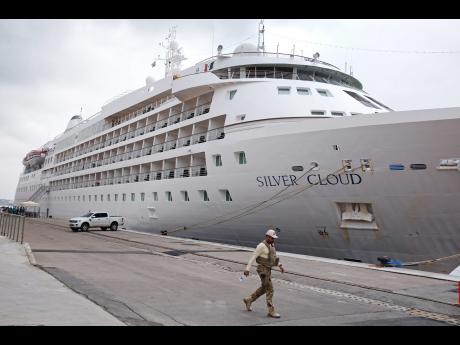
column 266, row 287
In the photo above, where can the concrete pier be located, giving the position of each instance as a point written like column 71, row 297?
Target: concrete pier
column 29, row 296
column 144, row 279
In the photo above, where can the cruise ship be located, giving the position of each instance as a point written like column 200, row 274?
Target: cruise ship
column 250, row 140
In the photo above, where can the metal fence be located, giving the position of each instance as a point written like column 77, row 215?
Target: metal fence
column 12, row 226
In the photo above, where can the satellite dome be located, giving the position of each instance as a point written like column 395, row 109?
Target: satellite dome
column 246, row 48
column 149, row 80
column 74, row 120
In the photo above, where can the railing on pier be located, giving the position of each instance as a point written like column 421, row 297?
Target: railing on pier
column 12, row 226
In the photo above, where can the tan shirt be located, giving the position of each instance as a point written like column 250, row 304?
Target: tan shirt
column 261, row 250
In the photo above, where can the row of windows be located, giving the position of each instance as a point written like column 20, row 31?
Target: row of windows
column 183, row 195
column 240, row 157
column 306, row 73
column 286, row 90
column 304, row 91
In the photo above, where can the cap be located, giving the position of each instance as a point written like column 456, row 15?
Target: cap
column 271, row 233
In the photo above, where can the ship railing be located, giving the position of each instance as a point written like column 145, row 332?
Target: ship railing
column 183, row 172
column 269, row 54
column 197, row 138
column 171, row 120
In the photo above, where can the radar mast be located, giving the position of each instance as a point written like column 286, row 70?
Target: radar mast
column 261, row 45
column 173, row 56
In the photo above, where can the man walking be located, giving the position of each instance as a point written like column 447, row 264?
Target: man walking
column 265, row 256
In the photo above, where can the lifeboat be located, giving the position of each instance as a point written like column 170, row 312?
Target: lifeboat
column 35, row 157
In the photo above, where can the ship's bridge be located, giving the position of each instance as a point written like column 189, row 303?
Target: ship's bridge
column 248, row 62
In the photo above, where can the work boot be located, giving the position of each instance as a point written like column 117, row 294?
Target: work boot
column 273, row 313
column 247, row 302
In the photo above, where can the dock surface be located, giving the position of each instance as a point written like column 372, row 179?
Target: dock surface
column 145, row 279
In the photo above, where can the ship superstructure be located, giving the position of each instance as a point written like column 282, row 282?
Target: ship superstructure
column 249, row 140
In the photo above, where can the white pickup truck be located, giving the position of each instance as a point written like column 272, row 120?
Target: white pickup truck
column 96, row 220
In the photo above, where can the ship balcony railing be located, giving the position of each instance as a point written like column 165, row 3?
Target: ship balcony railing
column 199, row 171
column 198, row 138
column 162, row 124
column 166, row 174
column 173, row 119
column 170, row 145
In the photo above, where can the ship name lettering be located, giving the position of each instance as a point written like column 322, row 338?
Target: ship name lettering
column 313, row 179
column 333, row 179
column 274, row 181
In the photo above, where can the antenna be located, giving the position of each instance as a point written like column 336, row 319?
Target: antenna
column 261, row 36
column 173, row 55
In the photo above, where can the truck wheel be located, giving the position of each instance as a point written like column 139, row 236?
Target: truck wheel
column 114, row 226
column 84, row 227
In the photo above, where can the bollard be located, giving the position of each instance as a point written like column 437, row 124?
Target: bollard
column 19, row 229
column 23, row 221
column 14, row 228
column 9, row 226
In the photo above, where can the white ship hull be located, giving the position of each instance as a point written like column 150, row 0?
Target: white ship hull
column 417, row 212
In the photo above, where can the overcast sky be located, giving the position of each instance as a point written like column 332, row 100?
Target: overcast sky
column 49, row 69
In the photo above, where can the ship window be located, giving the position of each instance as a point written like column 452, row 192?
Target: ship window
column 418, row 166
column 108, row 197
column 284, row 90
column 318, row 112
column 169, row 196
column 203, row 195
column 218, row 160
column 102, row 197
column 185, row 195
column 231, row 94
column 361, row 99
column 123, row 197
column 95, row 197
column 241, row 157
column 297, row 168
column 379, row 103
column 155, row 196
column 83, row 198
column 337, row 113
column 303, row 91
column 142, row 196
column 225, row 195
column 116, row 197
column 133, row 196
column 324, row 92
